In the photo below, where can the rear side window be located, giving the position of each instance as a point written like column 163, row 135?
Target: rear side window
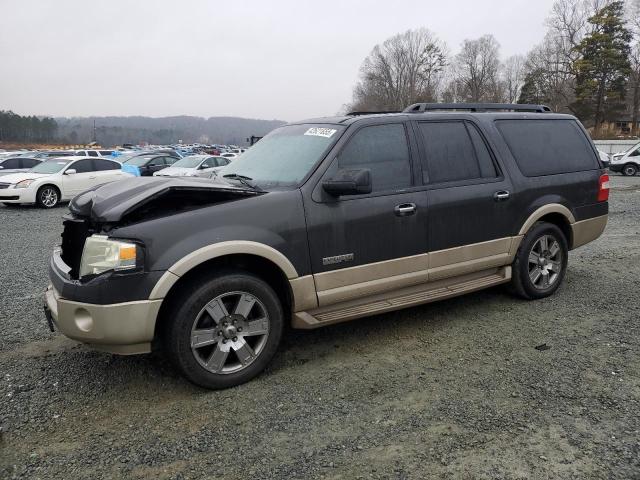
column 383, row 149
column 454, row 151
column 11, row 163
column 29, row 162
column 92, row 153
column 82, row 166
column 101, row 165
column 548, row 147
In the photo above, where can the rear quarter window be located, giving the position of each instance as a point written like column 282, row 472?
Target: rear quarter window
column 548, row 147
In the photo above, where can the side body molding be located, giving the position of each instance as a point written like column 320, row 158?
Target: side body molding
column 182, row 266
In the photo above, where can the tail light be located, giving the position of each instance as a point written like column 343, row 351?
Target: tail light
column 603, row 188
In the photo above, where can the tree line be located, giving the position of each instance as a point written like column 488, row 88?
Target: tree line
column 587, row 64
column 16, row 128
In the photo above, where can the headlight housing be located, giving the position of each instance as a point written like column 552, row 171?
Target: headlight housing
column 24, row 183
column 101, row 254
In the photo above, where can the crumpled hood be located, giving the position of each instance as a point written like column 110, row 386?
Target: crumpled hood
column 112, row 202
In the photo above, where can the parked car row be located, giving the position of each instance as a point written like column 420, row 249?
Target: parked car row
column 59, row 179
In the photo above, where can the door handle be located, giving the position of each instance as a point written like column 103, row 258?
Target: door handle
column 405, row 209
column 501, row 196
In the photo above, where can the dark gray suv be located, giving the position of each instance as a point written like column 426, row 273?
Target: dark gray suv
column 324, row 221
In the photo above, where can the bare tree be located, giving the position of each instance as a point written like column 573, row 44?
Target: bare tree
column 633, row 16
column 476, row 71
column 405, row 69
column 513, row 72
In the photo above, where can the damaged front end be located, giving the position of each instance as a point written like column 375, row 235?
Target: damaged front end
column 99, row 210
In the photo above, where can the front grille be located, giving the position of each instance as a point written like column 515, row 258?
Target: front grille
column 4, row 185
column 74, row 235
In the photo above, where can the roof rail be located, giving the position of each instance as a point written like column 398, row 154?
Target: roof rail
column 370, row 113
column 476, row 107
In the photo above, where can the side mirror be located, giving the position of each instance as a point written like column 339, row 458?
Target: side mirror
column 349, row 182
column 71, row 171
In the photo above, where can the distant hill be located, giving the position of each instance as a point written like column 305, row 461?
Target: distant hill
column 112, row 131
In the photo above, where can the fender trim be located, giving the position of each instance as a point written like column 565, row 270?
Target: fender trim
column 192, row 260
column 545, row 210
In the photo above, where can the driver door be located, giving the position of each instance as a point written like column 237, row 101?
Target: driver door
column 373, row 243
column 83, row 179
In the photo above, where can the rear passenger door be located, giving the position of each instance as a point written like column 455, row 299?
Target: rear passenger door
column 107, row 170
column 469, row 196
column 367, row 244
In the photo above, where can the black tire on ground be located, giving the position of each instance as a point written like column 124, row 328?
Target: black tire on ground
column 187, row 309
column 48, row 196
column 629, row 170
column 524, row 272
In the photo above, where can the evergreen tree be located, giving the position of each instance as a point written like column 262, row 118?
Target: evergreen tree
column 602, row 68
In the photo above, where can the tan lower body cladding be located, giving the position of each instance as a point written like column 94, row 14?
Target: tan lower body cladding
column 355, row 292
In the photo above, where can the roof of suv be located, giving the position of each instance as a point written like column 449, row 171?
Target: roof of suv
column 428, row 110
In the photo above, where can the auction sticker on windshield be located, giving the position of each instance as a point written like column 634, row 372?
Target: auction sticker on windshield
column 320, row 132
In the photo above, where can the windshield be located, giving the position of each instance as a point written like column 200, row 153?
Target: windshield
column 50, row 166
column 285, row 156
column 189, row 162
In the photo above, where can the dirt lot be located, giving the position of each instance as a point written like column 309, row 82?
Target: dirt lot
column 449, row 390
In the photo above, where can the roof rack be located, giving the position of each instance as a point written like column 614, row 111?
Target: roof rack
column 476, row 107
column 370, row 113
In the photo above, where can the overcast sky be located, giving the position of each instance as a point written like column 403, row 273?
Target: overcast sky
column 276, row 59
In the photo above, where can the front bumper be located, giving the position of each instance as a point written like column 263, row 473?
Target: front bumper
column 122, row 328
column 615, row 167
column 17, row 195
column 112, row 312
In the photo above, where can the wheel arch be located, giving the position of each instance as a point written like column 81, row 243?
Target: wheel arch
column 556, row 214
column 263, row 261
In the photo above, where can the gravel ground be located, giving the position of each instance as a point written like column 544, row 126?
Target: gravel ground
column 454, row 389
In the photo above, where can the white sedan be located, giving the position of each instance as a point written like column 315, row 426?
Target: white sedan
column 194, row 166
column 57, row 180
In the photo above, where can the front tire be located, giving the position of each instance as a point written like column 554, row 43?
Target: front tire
column 629, row 170
column 541, row 262
column 223, row 331
column 48, row 196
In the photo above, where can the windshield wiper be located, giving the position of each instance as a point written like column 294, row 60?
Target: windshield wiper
column 243, row 179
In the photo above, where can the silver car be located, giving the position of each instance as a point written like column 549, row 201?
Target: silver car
column 17, row 164
column 194, row 166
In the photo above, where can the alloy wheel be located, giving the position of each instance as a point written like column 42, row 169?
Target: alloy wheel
column 230, row 332
column 49, row 197
column 545, row 262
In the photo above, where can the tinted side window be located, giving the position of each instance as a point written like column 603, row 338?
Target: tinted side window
column 170, row 160
column 82, row 166
column 101, row 165
column 29, row 163
column 547, row 147
column 106, row 153
column 383, row 149
column 92, row 153
column 156, row 162
column 450, row 153
column 635, row 153
column 11, row 163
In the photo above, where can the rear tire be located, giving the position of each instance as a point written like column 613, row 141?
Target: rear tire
column 223, row 331
column 541, row 262
column 48, row 196
column 629, row 170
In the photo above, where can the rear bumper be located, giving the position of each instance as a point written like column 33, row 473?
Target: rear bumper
column 123, row 328
column 586, row 231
